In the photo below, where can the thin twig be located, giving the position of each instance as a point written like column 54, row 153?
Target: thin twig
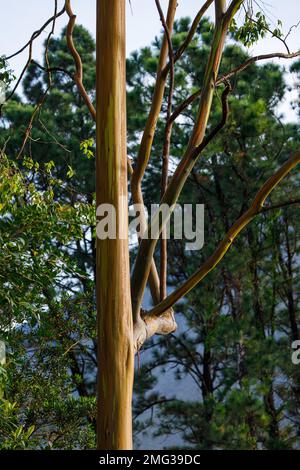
column 36, row 34
column 251, row 60
column 52, row 69
column 190, row 35
column 177, row 111
column 290, row 30
column 220, row 125
column 29, row 45
column 42, row 100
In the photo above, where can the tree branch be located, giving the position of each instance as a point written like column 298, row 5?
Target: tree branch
column 36, row 34
column 230, row 74
column 232, row 9
column 78, row 76
column 146, row 145
column 225, row 244
column 223, row 78
column 180, row 108
column 214, row 132
column 29, row 44
column 251, row 60
column 280, row 205
column 165, row 157
column 43, row 98
column 184, row 168
column 190, row 35
column 52, row 69
column 147, row 246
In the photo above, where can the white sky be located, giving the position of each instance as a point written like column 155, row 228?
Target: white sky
column 19, row 18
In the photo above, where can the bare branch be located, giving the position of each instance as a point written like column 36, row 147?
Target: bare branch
column 148, row 135
column 147, row 141
column 190, row 34
column 11, row 94
column 147, row 246
column 52, row 69
column 220, row 125
column 36, row 34
column 165, row 157
column 78, row 76
column 186, row 164
column 230, row 74
column 43, row 98
column 225, row 244
column 29, row 45
column 177, row 111
column 291, row 28
column 251, row 60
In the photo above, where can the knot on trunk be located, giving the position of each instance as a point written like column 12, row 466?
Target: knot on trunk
column 149, row 325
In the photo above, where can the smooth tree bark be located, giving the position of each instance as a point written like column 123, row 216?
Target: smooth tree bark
column 115, row 331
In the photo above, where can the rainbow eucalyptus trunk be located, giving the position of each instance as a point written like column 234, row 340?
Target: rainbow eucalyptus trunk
column 115, row 330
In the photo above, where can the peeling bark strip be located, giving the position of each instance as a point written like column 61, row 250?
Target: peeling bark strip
column 115, row 331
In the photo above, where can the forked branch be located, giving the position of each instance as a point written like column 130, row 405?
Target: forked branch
column 165, row 156
column 222, row 79
column 147, row 141
column 150, row 325
column 147, row 246
column 189, row 36
column 255, row 208
column 29, row 45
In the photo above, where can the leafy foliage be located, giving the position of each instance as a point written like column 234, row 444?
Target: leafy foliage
column 41, row 318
